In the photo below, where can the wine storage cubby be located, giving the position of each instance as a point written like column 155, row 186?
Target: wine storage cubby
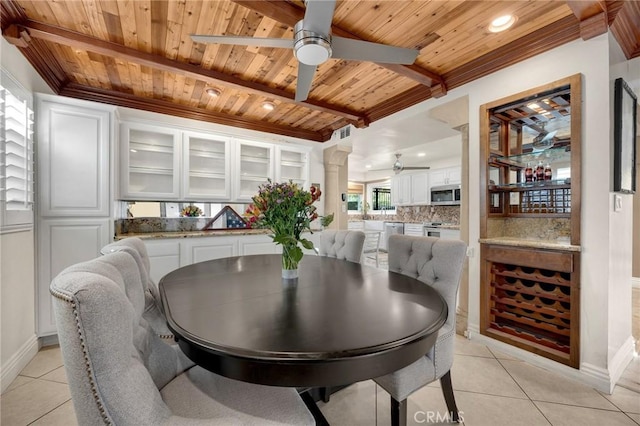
column 531, row 300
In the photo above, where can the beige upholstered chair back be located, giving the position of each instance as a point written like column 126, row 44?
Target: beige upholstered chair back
column 342, row 244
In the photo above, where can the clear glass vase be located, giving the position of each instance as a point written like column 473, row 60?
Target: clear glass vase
column 289, row 263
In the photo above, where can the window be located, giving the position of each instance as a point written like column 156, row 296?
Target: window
column 353, row 202
column 382, row 199
column 16, row 158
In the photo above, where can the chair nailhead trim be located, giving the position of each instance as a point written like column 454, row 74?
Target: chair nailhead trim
column 94, row 391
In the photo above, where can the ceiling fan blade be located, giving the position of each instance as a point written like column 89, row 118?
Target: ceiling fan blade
column 244, row 41
column 416, row 168
column 305, row 78
column 347, row 48
column 318, row 15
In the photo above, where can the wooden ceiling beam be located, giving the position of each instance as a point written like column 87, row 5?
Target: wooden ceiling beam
column 75, row 40
column 289, row 14
column 112, row 97
column 592, row 15
column 626, row 30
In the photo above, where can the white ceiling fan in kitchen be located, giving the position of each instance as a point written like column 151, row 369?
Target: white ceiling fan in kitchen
column 398, row 166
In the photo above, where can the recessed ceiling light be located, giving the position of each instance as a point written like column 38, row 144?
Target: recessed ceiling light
column 421, row 154
column 269, row 106
column 368, row 166
column 213, row 92
column 533, row 106
column 502, row 23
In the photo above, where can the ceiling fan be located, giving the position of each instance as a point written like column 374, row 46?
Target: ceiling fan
column 313, row 44
column 398, row 166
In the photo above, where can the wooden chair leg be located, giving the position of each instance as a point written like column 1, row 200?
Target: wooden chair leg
column 398, row 412
column 447, row 391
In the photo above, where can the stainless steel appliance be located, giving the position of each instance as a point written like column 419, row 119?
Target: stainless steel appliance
column 391, row 228
column 445, row 195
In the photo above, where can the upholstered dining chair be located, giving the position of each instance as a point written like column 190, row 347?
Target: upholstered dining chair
column 121, row 373
column 153, row 312
column 342, row 244
column 371, row 249
column 438, row 263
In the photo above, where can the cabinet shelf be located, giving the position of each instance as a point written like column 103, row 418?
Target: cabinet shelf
column 529, row 186
column 141, row 146
column 210, row 175
column 252, row 159
column 207, row 154
column 560, row 154
column 150, row 171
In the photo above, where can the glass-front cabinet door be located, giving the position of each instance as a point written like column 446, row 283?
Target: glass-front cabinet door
column 150, row 162
column 206, row 164
column 292, row 164
column 254, row 165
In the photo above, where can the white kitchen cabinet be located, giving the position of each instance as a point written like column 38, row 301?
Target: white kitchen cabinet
column 149, row 162
column 445, row 176
column 257, row 244
column 196, row 250
column 73, row 159
column 74, row 191
column 410, row 189
column 450, row 234
column 206, row 167
column 164, row 257
column 62, row 243
column 414, row 229
column 401, row 190
column 253, row 166
column 420, row 193
column 292, row 163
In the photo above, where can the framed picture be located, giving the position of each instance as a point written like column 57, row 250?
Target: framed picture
column 624, row 137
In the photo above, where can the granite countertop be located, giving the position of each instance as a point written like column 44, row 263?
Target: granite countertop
column 560, row 244
column 191, row 234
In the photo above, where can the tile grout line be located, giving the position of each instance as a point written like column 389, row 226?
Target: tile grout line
column 50, row 411
column 522, row 389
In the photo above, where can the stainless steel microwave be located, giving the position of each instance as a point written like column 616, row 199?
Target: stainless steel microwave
column 445, row 195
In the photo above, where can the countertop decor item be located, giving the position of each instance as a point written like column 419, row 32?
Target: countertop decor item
column 191, row 211
column 287, row 210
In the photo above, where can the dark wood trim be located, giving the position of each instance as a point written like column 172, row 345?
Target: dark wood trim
column 576, row 155
column 625, row 29
column 289, row 14
column 10, row 12
column 77, row 40
column 46, row 64
column 547, row 38
column 74, row 90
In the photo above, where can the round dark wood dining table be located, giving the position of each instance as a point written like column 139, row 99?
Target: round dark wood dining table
column 338, row 323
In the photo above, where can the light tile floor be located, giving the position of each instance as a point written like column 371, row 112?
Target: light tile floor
column 491, row 389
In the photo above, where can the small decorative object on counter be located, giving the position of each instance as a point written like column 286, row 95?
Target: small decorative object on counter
column 539, row 172
column 287, row 210
column 528, row 173
column 548, row 173
column 191, row 211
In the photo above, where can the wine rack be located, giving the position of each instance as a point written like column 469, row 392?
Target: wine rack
column 530, row 200
column 532, row 299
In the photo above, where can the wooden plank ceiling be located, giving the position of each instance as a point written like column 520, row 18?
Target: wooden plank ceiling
column 138, row 53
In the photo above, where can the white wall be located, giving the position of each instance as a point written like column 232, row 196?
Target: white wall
column 18, row 342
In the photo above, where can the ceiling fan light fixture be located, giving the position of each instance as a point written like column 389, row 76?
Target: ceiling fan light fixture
column 502, row 23
column 309, row 47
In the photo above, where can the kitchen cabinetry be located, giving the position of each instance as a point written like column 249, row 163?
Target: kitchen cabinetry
column 164, row 257
column 530, row 230
column 159, row 163
column 149, row 162
column 74, row 197
column 414, row 229
column 206, row 162
column 410, row 189
column 445, row 176
column 254, row 165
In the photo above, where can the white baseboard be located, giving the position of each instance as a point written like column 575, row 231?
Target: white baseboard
column 10, row 370
column 595, row 377
column 620, row 361
column 635, row 282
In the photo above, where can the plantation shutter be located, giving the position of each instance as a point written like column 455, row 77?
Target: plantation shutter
column 16, row 159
